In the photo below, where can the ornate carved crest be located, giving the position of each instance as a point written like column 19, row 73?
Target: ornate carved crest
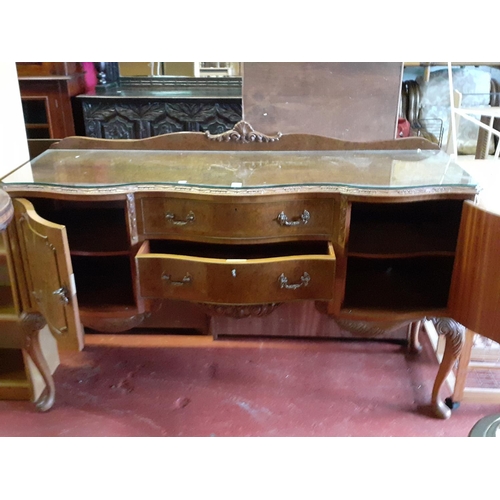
column 243, row 132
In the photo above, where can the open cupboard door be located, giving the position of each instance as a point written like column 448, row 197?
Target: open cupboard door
column 474, row 299
column 48, row 274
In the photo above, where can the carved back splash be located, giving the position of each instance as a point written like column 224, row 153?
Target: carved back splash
column 242, row 137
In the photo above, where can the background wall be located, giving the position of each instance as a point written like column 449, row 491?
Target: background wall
column 13, row 142
column 145, row 68
column 355, row 101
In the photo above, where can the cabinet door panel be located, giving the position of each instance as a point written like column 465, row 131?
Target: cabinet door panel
column 474, row 299
column 49, row 275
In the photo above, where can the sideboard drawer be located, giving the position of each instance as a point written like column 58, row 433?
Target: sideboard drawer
column 163, row 217
column 236, row 274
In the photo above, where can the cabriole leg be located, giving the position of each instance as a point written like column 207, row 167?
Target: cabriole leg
column 454, row 334
column 32, row 324
column 414, row 346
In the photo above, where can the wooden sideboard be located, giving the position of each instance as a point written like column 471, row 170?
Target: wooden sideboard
column 237, row 224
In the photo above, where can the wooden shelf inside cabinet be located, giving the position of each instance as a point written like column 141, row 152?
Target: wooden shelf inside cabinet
column 36, row 117
column 103, row 282
column 405, row 229
column 416, row 283
column 47, row 93
column 37, row 126
column 6, row 301
column 19, row 377
column 14, row 382
column 98, row 229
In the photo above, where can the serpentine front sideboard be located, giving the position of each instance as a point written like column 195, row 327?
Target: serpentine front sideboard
column 241, row 222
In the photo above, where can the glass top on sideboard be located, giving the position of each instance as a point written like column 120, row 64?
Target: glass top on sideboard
column 242, row 169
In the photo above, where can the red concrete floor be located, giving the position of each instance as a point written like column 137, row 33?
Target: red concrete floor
column 175, row 385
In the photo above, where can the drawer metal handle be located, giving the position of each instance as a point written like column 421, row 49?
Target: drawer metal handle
column 185, row 281
column 303, row 219
column 171, row 218
column 62, row 293
column 304, row 281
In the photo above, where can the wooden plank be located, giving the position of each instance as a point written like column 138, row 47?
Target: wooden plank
column 481, row 396
column 474, row 365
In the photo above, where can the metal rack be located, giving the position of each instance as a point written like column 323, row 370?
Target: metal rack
column 410, row 107
column 429, row 128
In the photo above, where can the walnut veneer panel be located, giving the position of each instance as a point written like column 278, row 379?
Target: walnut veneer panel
column 297, row 319
column 164, row 217
column 357, row 101
column 238, row 280
column 475, row 288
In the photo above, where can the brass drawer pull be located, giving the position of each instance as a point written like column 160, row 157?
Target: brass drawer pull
column 304, row 281
column 185, row 281
column 303, row 219
column 171, row 218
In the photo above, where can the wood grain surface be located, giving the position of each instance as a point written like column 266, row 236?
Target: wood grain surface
column 356, row 101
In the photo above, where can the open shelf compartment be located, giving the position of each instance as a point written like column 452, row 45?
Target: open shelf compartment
column 103, row 282
column 14, row 383
column 422, row 227
column 417, row 283
column 92, row 227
